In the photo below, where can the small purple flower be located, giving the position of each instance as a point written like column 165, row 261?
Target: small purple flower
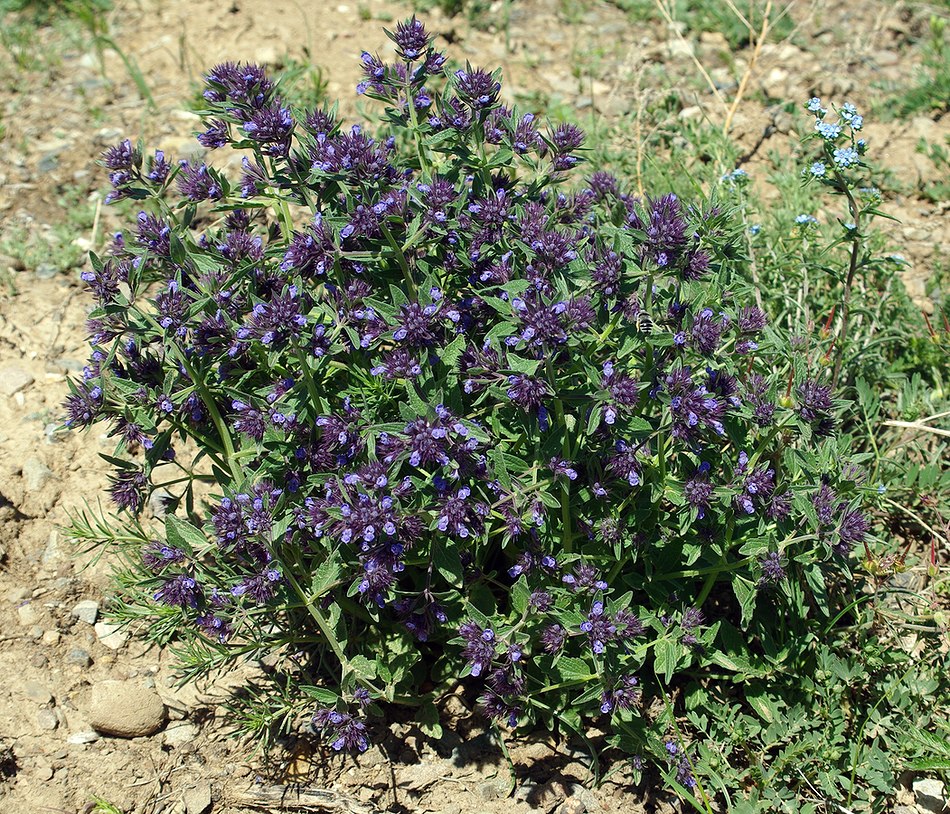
column 197, row 183
column 411, row 39
column 215, row 136
column 180, row 591
column 772, row 570
column 479, row 646
column 477, row 88
column 128, row 490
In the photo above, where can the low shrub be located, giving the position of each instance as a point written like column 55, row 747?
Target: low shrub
column 423, row 413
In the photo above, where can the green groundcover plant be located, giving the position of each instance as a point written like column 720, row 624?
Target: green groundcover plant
column 425, row 412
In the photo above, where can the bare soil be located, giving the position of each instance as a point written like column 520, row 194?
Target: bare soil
column 586, row 55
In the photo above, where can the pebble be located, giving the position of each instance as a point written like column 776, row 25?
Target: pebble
column 125, row 710
column 198, row 799
column 46, row 271
column 36, row 474
column 180, row 733
column 111, row 636
column 27, row 615
column 86, row 611
column 78, row 738
column 37, row 692
column 79, row 657
column 14, row 379
column 47, row 719
column 930, row 795
column 51, row 637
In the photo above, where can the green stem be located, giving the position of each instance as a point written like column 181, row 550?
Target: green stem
column 403, row 263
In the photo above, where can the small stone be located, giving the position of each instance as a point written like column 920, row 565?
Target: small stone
column 198, row 799
column 691, row 112
column 51, row 637
column 27, row 615
column 78, row 738
column 37, row 692
column 125, row 710
column 46, row 271
column 18, row 594
column 47, row 719
column 180, row 733
column 79, row 657
column 14, row 379
column 36, row 474
column 488, row 790
column 39, row 661
column 112, row 636
column 930, row 795
column 86, row 611
column 43, row 772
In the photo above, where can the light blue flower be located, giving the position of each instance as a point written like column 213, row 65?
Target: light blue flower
column 846, row 157
column 827, row 130
column 805, row 220
column 755, row 228
column 818, row 169
column 814, row 105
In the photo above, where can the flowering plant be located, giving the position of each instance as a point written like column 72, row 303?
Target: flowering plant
column 427, row 414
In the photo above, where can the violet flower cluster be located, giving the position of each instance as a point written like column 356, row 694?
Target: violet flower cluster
column 439, row 401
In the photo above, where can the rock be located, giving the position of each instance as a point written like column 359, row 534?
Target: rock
column 489, row 790
column 78, row 738
column 79, row 657
column 36, row 474
column 14, row 379
column 691, row 112
column 679, row 49
column 86, row 611
column 37, row 692
column 46, row 719
column 46, row 271
column 112, row 636
column 51, row 637
column 126, row 710
column 198, row 799
column 180, row 733
column 27, row 615
column 930, row 795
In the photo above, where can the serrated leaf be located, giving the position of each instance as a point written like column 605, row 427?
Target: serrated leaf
column 520, row 594
column 324, row 576
column 420, row 408
column 447, row 561
column 322, row 694
column 427, row 717
column 453, row 351
column 363, row 668
column 184, row 535
column 744, row 590
column 573, row 669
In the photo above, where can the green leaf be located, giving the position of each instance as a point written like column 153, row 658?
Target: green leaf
column 744, row 590
column 666, row 655
column 764, row 706
column 573, row 669
column 453, row 352
column 184, row 535
column 326, row 574
column 322, row 694
column 418, row 406
column 637, row 424
column 427, row 717
column 520, row 594
column 363, row 668
column 447, row 561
